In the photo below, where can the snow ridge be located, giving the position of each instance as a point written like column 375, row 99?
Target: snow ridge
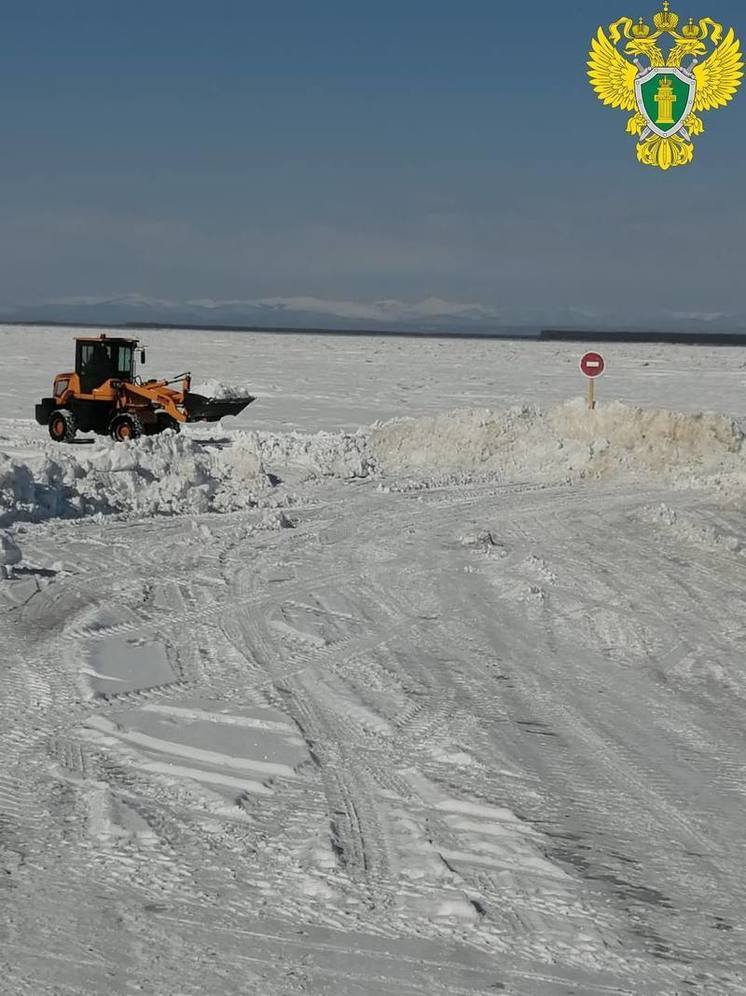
column 567, row 443
column 170, row 474
column 162, row 475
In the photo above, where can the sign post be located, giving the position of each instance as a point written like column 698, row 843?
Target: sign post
column 592, row 365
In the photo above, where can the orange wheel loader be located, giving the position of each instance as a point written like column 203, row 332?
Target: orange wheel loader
column 104, row 395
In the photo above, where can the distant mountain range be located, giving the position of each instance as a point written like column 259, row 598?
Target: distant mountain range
column 291, row 312
column 429, row 315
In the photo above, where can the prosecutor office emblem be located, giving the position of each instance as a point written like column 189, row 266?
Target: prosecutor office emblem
column 669, row 77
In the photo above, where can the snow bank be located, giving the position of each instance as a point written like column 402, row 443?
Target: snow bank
column 321, row 454
column 161, row 475
column 219, row 391
column 169, row 474
column 10, row 555
column 189, row 473
column 566, row 443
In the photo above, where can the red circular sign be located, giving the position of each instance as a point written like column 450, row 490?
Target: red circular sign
column 592, row 364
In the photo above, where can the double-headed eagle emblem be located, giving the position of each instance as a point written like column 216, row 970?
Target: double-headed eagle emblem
column 665, row 92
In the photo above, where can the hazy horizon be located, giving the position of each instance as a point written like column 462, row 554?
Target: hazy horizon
column 419, row 165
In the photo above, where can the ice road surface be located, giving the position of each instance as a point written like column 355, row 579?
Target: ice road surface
column 415, row 679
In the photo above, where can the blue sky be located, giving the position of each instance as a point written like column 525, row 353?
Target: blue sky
column 242, row 150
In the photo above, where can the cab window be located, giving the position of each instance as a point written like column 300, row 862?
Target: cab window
column 122, row 356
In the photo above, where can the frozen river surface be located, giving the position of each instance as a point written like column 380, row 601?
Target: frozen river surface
column 316, row 702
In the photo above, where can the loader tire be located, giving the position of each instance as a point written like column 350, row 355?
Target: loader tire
column 165, row 421
column 124, row 427
column 62, row 426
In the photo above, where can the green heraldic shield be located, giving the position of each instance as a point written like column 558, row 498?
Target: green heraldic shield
column 664, row 78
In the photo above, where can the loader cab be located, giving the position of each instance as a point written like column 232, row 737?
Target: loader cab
column 100, row 359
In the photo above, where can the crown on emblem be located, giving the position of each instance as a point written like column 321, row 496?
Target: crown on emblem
column 642, row 64
column 666, row 20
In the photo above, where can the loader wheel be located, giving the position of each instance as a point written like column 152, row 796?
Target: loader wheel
column 165, row 421
column 124, row 427
column 62, row 426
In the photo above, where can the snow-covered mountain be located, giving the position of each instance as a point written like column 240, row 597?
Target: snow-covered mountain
column 431, row 314
column 291, row 312
column 301, row 311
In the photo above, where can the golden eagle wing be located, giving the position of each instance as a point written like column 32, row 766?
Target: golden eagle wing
column 611, row 75
column 719, row 76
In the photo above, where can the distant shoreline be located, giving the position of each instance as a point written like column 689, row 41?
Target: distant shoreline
column 506, row 333
column 630, row 335
column 531, row 333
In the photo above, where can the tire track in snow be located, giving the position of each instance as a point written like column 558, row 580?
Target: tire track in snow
column 334, row 659
column 554, row 697
column 308, row 672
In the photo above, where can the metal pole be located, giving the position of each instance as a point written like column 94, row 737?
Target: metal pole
column 591, row 394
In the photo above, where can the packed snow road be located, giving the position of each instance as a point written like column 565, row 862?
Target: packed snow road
column 448, row 706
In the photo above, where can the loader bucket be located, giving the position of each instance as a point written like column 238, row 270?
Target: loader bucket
column 201, row 409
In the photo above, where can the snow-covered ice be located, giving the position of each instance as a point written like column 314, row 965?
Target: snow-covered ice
column 414, row 678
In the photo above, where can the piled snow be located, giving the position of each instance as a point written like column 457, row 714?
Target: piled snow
column 219, row 391
column 322, row 454
column 10, row 554
column 566, row 443
column 161, row 475
column 169, row 474
column 172, row 474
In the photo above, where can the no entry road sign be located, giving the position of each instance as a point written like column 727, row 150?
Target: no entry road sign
column 592, row 364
